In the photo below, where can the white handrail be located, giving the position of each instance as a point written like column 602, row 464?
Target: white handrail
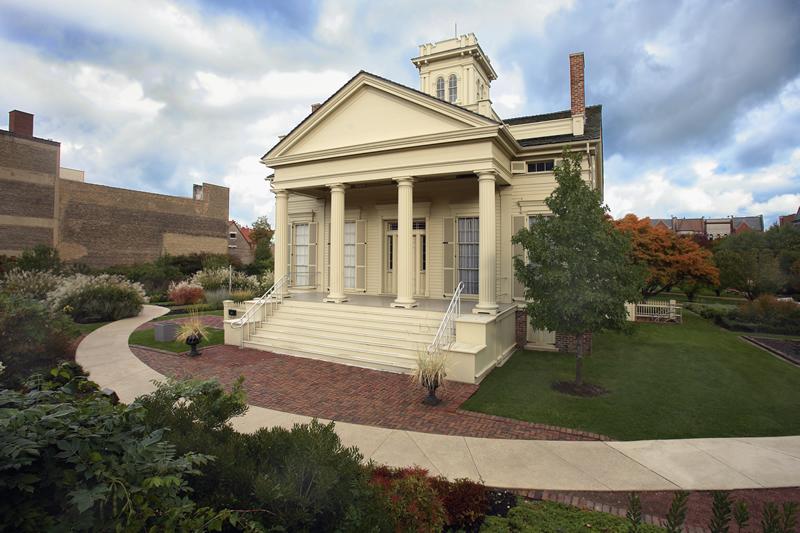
column 446, row 334
column 258, row 303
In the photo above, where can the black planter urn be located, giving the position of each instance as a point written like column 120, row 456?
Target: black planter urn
column 431, row 398
column 193, row 341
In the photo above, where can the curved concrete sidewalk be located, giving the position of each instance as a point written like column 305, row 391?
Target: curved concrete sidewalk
column 691, row 464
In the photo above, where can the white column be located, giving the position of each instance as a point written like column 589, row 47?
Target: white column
column 336, row 294
column 487, row 279
column 405, row 252
column 281, row 234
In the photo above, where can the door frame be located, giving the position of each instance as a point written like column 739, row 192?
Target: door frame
column 386, row 232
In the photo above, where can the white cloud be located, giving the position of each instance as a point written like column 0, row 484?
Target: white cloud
column 250, row 193
column 222, row 90
column 508, row 91
column 111, row 91
column 699, row 188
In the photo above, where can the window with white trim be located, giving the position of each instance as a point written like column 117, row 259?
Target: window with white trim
column 452, row 90
column 468, row 253
column 349, row 255
column 301, row 242
column 545, row 165
column 440, row 88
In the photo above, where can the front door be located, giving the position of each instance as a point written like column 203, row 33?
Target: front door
column 419, row 259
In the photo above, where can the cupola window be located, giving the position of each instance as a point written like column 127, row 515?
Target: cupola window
column 440, row 88
column 452, row 95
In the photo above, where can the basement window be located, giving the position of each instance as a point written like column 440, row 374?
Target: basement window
column 545, row 165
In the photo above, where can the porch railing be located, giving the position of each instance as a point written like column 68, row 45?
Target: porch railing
column 446, row 334
column 658, row 311
column 262, row 307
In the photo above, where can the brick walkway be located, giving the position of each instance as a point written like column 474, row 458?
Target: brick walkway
column 348, row 394
column 211, row 321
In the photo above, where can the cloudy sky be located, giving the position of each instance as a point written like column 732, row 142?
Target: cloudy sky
column 701, row 100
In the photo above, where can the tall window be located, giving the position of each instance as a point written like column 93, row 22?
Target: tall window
column 349, row 255
column 440, row 88
column 302, row 278
column 468, row 253
column 452, row 92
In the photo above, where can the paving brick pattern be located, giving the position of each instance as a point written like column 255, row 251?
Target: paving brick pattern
column 212, row 321
column 348, row 394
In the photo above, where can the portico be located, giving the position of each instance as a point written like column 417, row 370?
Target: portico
column 391, row 202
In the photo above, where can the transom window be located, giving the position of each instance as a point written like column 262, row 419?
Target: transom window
column 452, row 91
column 440, row 88
column 468, row 253
column 545, row 165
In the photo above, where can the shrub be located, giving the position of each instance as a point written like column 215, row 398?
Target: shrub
column 218, row 278
column 34, row 284
column 301, row 479
column 154, row 277
column 185, row 293
column 465, row 502
column 191, row 263
column 765, row 314
column 97, row 298
column 216, row 297
column 81, row 463
column 32, row 338
column 42, row 258
column 413, row 502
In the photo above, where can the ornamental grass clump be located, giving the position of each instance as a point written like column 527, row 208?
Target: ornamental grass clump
column 99, row 298
column 430, row 373
column 33, row 284
column 192, row 331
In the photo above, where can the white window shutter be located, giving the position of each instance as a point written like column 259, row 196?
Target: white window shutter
column 361, row 255
column 312, row 254
column 517, row 223
column 449, row 255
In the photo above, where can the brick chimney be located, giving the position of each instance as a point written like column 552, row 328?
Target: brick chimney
column 577, row 92
column 20, row 123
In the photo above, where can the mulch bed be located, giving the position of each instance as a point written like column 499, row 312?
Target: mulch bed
column 656, row 503
column 789, row 349
column 348, row 394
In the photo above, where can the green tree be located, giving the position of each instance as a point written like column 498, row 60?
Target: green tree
column 748, row 264
column 262, row 233
column 579, row 273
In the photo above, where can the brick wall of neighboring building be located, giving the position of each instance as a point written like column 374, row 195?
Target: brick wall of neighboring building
column 95, row 224
column 28, row 170
column 103, row 226
column 568, row 343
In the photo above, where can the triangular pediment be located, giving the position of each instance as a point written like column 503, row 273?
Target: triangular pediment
column 370, row 110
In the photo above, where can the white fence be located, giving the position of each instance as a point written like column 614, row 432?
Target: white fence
column 654, row 311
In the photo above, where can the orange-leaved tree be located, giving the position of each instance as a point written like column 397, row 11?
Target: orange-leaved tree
column 670, row 259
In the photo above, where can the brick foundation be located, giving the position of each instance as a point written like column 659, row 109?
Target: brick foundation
column 521, row 328
column 568, row 343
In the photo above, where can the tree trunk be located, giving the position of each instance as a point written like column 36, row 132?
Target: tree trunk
column 579, row 359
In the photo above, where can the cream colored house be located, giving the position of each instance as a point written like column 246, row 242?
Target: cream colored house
column 389, row 197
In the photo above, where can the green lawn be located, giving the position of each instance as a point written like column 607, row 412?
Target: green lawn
column 665, row 381
column 146, row 337
column 85, row 329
